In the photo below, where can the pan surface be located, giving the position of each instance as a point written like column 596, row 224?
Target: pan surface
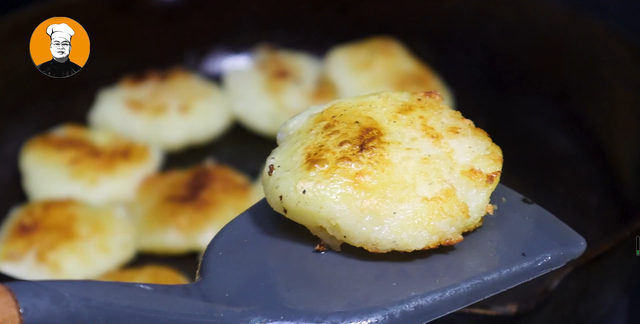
column 555, row 90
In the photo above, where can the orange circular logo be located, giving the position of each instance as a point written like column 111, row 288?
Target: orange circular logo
column 59, row 47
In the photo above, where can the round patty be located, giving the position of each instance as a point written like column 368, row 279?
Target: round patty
column 388, row 171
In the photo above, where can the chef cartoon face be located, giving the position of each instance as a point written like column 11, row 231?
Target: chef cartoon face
column 60, row 40
column 60, row 47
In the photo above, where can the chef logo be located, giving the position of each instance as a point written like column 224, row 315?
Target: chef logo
column 59, row 47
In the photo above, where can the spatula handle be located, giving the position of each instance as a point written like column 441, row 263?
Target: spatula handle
column 9, row 308
column 79, row 301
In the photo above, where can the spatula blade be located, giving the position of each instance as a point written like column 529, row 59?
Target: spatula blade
column 262, row 258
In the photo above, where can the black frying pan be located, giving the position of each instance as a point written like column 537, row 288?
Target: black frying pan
column 554, row 88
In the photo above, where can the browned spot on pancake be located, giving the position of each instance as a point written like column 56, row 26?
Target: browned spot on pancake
column 134, row 104
column 280, row 73
column 316, row 162
column 330, row 125
column 369, row 138
column 194, row 187
column 276, row 68
column 434, row 94
column 454, row 130
column 419, row 114
column 42, row 228
column 361, row 143
column 284, row 210
column 491, row 177
column 451, row 241
column 271, row 169
column 407, row 109
column 72, row 146
column 344, row 143
column 497, row 158
column 446, row 202
column 191, row 199
column 324, row 92
column 345, row 160
column 489, row 210
column 475, row 175
column 321, row 247
column 430, row 132
column 148, row 108
column 184, row 108
column 26, row 227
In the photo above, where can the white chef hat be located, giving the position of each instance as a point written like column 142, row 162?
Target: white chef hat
column 60, row 30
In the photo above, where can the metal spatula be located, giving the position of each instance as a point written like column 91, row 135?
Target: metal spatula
column 262, row 268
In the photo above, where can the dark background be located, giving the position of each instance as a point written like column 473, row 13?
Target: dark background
column 620, row 15
column 607, row 289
